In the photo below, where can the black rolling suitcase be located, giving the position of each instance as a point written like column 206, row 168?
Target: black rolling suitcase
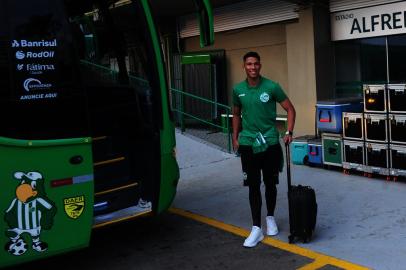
column 302, row 208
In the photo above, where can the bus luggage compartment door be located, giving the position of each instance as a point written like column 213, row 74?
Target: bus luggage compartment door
column 47, row 198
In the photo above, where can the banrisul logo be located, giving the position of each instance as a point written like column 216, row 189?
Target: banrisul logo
column 33, row 44
column 35, row 84
column 15, row 44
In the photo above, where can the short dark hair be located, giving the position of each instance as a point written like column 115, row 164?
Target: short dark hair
column 251, row 54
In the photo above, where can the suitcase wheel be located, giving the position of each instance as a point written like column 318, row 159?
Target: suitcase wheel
column 306, row 240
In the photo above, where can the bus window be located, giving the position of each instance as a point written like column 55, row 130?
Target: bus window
column 46, row 99
column 62, row 56
column 4, row 65
column 114, row 53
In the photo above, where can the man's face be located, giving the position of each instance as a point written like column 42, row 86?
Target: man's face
column 252, row 67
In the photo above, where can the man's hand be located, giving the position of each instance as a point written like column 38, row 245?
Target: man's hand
column 287, row 105
column 287, row 139
column 236, row 127
column 235, row 145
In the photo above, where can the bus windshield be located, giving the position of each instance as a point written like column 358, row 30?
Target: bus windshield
column 74, row 68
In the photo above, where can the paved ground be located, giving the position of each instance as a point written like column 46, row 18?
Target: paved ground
column 215, row 138
column 172, row 243
column 360, row 220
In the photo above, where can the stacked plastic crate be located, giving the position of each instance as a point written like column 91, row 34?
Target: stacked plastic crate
column 329, row 124
column 397, row 129
column 353, row 141
column 375, row 140
column 300, row 150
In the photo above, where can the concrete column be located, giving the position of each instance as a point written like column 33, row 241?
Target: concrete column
column 324, row 52
column 301, row 70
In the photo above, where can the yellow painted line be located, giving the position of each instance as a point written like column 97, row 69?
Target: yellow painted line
column 317, row 264
column 321, row 259
column 115, row 189
column 108, row 161
column 97, row 226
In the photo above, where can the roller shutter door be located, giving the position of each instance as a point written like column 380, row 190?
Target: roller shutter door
column 241, row 15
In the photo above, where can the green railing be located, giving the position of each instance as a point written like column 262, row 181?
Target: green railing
column 102, row 72
column 222, row 110
column 105, row 74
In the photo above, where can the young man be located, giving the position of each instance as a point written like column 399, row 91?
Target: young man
column 257, row 140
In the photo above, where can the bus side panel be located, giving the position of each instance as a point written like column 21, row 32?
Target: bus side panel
column 47, row 198
column 169, row 181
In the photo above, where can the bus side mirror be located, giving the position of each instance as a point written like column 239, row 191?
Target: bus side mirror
column 205, row 17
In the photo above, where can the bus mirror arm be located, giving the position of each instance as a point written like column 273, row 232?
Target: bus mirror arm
column 205, row 17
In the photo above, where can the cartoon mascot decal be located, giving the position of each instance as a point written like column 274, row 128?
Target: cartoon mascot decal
column 29, row 213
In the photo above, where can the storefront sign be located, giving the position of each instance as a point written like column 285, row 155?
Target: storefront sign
column 369, row 22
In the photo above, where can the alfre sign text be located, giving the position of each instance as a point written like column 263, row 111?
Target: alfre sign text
column 369, row 22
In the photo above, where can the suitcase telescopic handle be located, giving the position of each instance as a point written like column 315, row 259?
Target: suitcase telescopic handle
column 288, row 166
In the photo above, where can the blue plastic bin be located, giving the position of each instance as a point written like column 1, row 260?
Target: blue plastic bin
column 315, row 152
column 329, row 113
column 298, row 149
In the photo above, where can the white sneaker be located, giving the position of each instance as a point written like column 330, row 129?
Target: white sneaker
column 144, row 204
column 271, row 228
column 254, row 238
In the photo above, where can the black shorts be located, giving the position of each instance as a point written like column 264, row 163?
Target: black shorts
column 268, row 162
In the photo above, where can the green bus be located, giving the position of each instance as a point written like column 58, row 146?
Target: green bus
column 87, row 137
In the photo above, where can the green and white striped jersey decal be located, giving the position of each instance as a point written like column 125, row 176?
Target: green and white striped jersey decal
column 28, row 214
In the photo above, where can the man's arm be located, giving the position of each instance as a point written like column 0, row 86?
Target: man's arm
column 288, row 106
column 236, row 126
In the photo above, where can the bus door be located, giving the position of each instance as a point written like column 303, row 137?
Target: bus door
column 46, row 167
column 116, row 66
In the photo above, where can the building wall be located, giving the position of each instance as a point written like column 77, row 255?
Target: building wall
column 268, row 40
column 287, row 54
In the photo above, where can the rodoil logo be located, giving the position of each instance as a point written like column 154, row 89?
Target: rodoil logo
column 20, row 55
